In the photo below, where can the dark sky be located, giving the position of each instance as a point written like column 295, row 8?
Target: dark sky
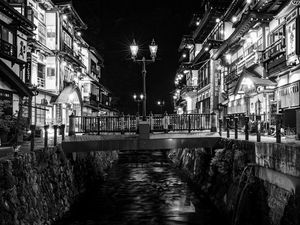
column 112, row 25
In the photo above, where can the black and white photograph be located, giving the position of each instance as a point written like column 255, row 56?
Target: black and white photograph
column 150, row 112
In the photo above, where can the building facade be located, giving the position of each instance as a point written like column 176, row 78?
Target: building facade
column 59, row 70
column 247, row 61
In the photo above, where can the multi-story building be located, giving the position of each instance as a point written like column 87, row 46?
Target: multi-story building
column 61, row 68
column 15, row 32
column 194, row 80
column 253, row 62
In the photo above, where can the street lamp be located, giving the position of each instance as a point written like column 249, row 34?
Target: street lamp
column 134, row 48
column 138, row 99
column 161, row 104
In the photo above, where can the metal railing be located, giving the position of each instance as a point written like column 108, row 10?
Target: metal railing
column 129, row 123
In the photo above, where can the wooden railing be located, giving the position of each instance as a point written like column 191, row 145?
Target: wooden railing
column 8, row 49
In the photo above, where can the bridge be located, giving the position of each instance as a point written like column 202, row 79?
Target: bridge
column 132, row 133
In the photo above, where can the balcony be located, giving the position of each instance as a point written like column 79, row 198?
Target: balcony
column 7, row 49
column 92, row 100
column 71, row 56
column 274, row 56
column 233, row 76
column 41, row 82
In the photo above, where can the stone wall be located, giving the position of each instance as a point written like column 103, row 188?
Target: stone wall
column 39, row 187
column 228, row 174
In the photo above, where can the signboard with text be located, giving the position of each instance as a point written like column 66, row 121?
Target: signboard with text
column 291, row 38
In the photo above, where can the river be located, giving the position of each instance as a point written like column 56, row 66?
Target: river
column 146, row 192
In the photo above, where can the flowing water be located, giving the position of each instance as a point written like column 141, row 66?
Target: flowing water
column 145, row 190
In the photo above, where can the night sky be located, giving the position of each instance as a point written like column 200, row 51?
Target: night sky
column 112, row 25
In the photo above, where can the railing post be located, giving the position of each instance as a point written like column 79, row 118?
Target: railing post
column 227, row 127
column 236, row 119
column 137, row 122
column 220, row 127
column 46, row 127
column 189, row 123
column 258, row 128
column 278, row 128
column 213, row 123
column 32, row 129
column 122, row 124
column 151, row 122
column 62, row 129
column 246, row 128
column 98, row 125
column 166, row 124
column 71, row 125
column 55, row 135
column 128, row 123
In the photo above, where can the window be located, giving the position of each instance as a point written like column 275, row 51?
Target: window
column 50, row 71
column 67, row 39
column 41, row 74
column 277, row 34
column 42, row 33
column 6, row 35
column 85, row 88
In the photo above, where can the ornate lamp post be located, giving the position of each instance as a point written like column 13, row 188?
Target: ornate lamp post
column 134, row 51
column 138, row 99
column 161, row 104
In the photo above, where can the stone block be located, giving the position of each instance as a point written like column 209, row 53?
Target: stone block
column 144, row 130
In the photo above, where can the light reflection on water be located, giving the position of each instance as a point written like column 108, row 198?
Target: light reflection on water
column 148, row 194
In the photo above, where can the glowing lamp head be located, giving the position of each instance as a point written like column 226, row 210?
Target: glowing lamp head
column 134, row 96
column 134, row 48
column 228, row 57
column 141, row 96
column 65, row 17
column 206, row 49
column 79, row 33
column 234, row 19
column 153, row 49
column 218, row 20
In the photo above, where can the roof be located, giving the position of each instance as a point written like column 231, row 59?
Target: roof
column 14, row 80
column 252, row 78
column 67, row 95
column 67, row 7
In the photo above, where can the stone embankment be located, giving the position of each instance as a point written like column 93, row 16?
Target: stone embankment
column 252, row 183
column 39, row 187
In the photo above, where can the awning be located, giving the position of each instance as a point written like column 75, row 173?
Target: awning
column 70, row 94
column 15, row 81
column 250, row 80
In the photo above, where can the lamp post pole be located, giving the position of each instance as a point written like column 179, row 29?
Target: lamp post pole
column 144, row 88
column 153, row 50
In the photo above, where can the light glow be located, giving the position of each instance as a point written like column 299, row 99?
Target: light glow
column 134, row 48
column 234, row 19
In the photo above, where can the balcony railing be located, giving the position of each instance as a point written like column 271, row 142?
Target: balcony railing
column 231, row 77
column 8, row 49
column 67, row 49
column 41, row 82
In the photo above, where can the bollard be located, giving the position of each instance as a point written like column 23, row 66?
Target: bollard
column 227, row 127
column 220, row 127
column 62, row 130
column 151, row 122
column 246, row 128
column 46, row 127
column 71, row 125
column 137, row 122
column 278, row 128
column 55, row 135
column 32, row 129
column 213, row 123
column 258, row 128
column 98, row 125
column 166, row 122
column 189, row 123
column 236, row 119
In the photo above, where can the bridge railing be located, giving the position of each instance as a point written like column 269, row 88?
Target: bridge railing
column 129, row 123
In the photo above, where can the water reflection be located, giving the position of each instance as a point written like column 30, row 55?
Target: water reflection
column 150, row 194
